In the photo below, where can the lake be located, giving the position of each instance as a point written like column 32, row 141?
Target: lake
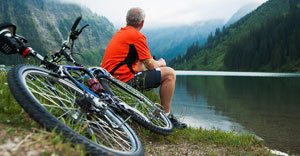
column 264, row 104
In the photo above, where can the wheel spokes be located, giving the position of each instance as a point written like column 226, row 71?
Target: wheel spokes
column 144, row 105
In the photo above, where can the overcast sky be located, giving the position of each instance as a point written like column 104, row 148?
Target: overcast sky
column 160, row 13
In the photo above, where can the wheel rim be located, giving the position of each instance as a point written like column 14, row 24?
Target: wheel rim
column 58, row 96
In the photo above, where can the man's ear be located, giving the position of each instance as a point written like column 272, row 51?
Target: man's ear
column 142, row 24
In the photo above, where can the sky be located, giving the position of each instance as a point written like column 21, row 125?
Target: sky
column 162, row 13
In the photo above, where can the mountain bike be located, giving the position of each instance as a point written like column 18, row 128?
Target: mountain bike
column 115, row 92
column 56, row 99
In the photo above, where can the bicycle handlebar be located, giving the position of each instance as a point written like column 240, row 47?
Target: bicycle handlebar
column 14, row 43
column 73, row 36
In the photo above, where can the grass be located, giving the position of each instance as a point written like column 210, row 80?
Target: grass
column 193, row 141
column 19, row 135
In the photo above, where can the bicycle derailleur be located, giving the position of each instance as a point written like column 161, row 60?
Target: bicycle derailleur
column 92, row 104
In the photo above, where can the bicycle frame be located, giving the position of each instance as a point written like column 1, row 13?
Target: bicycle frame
column 99, row 76
column 78, row 84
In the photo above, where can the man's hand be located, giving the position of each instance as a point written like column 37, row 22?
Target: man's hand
column 151, row 64
column 162, row 62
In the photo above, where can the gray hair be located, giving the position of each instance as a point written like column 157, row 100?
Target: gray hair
column 135, row 16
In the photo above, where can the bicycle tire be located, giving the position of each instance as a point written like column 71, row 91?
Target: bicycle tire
column 35, row 89
column 156, row 121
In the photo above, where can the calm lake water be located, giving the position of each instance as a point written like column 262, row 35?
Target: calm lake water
column 264, row 104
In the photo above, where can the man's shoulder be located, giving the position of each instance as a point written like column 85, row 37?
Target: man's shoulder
column 131, row 31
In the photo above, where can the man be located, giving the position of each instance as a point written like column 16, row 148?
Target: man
column 127, row 55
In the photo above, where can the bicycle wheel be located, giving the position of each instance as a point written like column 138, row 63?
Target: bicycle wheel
column 50, row 101
column 142, row 110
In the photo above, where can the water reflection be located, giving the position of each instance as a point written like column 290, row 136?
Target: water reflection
column 266, row 106
column 193, row 108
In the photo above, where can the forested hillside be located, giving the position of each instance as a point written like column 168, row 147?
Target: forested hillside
column 267, row 39
column 46, row 23
column 275, row 46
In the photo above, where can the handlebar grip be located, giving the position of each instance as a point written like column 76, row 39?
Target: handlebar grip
column 10, row 44
column 76, row 23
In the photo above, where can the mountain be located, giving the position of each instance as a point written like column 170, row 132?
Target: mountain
column 267, row 39
column 241, row 13
column 170, row 42
column 46, row 23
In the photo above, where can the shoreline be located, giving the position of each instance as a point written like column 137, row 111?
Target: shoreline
column 234, row 73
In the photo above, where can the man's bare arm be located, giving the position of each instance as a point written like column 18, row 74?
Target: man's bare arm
column 140, row 66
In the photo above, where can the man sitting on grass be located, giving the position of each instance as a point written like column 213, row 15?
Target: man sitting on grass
column 127, row 55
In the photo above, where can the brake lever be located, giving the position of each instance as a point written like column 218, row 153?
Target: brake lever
column 76, row 33
column 83, row 28
column 21, row 38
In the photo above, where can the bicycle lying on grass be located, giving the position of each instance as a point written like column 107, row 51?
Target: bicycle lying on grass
column 71, row 101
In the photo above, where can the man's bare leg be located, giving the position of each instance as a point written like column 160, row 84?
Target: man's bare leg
column 166, row 91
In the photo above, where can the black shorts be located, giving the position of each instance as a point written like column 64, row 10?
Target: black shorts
column 146, row 80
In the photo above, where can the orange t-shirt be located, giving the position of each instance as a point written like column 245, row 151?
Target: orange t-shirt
column 118, row 49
